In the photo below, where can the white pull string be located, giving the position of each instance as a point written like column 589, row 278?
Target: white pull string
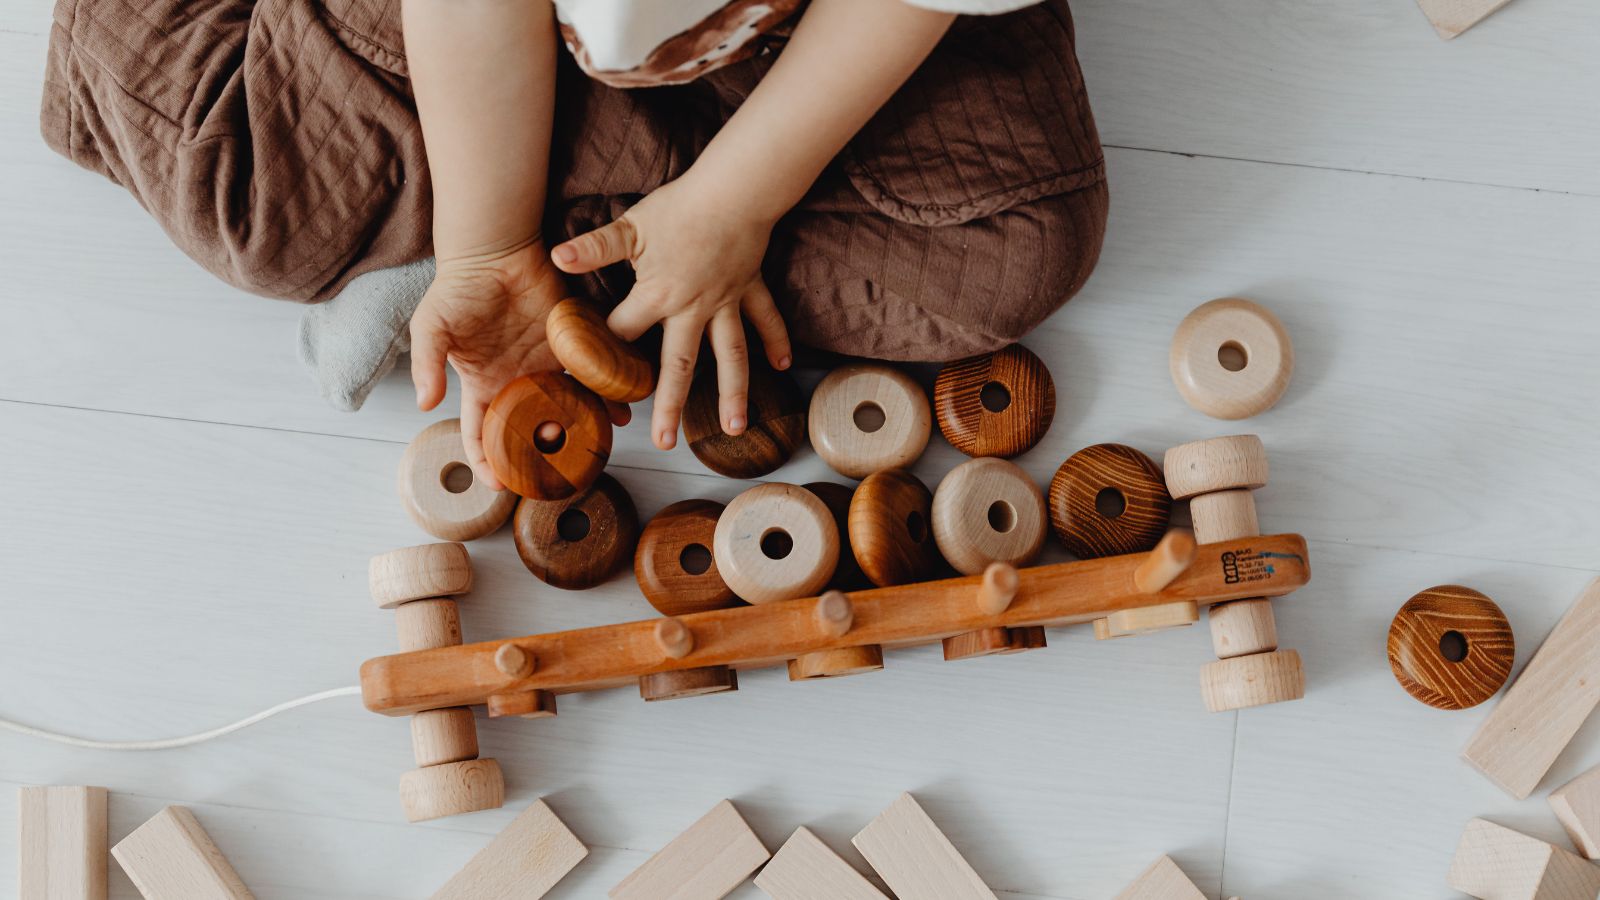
column 184, row 741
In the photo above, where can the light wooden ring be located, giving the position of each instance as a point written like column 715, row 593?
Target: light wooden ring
column 433, row 792
column 667, row 545
column 750, row 533
column 441, row 493
column 841, row 410
column 988, row 510
column 1235, row 462
column 527, row 464
column 1254, row 680
column 1076, row 502
column 579, row 542
column 419, row 573
column 1472, row 625
column 595, row 355
column 1231, row 358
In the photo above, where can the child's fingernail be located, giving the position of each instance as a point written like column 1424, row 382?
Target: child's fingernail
column 783, row 363
column 664, row 440
column 565, row 254
column 736, row 424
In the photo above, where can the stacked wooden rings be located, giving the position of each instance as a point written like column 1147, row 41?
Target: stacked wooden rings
column 581, row 541
column 546, row 467
column 997, row 404
column 865, row 418
column 440, row 491
column 1108, row 499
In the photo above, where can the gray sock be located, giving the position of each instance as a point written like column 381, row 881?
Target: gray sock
column 353, row 340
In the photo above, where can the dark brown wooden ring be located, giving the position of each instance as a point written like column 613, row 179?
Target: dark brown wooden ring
column 1014, row 416
column 532, row 467
column 1109, row 499
column 1451, row 647
column 595, row 355
column 891, row 529
column 579, row 542
column 776, row 418
column 847, row 575
column 672, row 548
column 680, row 683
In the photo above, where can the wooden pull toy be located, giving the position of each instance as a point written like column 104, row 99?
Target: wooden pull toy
column 440, row 492
column 519, row 452
column 418, row 584
column 1166, row 561
column 1451, row 647
column 997, row 404
column 674, row 564
column 1107, row 499
column 1231, row 358
column 869, row 417
column 775, row 429
column 1217, row 476
column 581, row 541
column 592, row 352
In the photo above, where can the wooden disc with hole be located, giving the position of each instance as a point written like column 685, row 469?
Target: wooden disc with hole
column 1451, row 647
column 1235, row 462
column 775, row 417
column 682, row 683
column 836, row 663
column 531, row 466
column 1001, row 429
column 776, row 542
column 595, row 355
column 847, row 575
column 1100, row 480
column 866, row 417
column 988, row 510
column 672, row 550
column 1231, row 358
column 419, row 573
column 581, row 541
column 1254, row 680
column 433, row 792
column 441, row 493
column 891, row 529
column 994, row 641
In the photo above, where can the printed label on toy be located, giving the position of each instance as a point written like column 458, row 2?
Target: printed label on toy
column 1247, row 565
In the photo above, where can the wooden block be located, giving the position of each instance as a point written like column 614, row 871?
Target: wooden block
column 1167, row 560
column 433, row 792
column 1577, row 805
column 775, row 417
column 681, row 683
column 1451, row 17
column 1516, row 745
column 1451, row 647
column 444, row 736
column 889, row 529
column 1243, row 628
column 428, row 624
column 776, row 542
column 836, row 663
column 1231, row 358
column 706, row 862
column 988, row 510
column 523, row 704
column 1146, row 619
column 171, row 857
column 866, row 417
column 416, row 573
column 440, row 492
column 915, row 858
column 581, row 541
column 847, row 575
column 594, row 354
column 523, row 862
column 805, row 869
column 994, row 641
column 996, row 404
column 1162, row 881
column 1254, row 680
column 61, row 843
column 1108, row 499
column 1493, row 862
column 529, row 464
column 1224, row 516
column 1219, row 464
column 674, row 565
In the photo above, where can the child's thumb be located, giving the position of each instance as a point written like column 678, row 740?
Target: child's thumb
column 612, row 243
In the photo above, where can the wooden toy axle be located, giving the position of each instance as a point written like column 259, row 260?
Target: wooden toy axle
column 773, row 633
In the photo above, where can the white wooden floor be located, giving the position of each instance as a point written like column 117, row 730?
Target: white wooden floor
column 184, row 527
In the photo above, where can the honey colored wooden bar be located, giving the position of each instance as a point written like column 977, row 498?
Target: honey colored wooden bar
column 62, row 843
column 773, row 633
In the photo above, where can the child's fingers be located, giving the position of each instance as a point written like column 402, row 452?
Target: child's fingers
column 619, row 412
column 608, row 244
column 680, row 344
column 427, row 363
column 634, row 315
column 472, row 408
column 764, row 317
column 733, row 368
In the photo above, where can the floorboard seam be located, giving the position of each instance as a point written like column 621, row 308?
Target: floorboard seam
column 1227, row 809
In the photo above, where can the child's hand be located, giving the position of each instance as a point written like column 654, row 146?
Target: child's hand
column 698, row 264
column 487, row 316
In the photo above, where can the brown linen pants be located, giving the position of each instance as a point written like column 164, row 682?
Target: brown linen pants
column 277, row 144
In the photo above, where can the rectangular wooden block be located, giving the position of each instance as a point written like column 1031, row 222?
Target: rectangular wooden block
column 1493, row 862
column 805, row 869
column 1451, row 17
column 1577, row 805
column 61, row 843
column 707, row 861
column 1519, row 741
column 172, row 857
column 523, row 862
column 915, row 858
column 1162, row 881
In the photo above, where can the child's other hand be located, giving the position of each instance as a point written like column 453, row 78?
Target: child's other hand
column 698, row 264
column 486, row 315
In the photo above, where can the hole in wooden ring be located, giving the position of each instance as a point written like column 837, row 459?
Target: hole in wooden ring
column 916, row 526
column 1002, row 516
column 869, row 417
column 776, row 543
column 456, row 478
column 549, row 437
column 995, row 397
column 1110, row 502
column 1232, row 356
column 1453, row 646
column 695, row 559
column 573, row 525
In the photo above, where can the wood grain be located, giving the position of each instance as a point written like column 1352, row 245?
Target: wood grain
column 898, row 434
column 680, row 683
column 61, row 843
column 914, row 857
column 1075, row 491
column 836, row 663
column 776, row 542
column 600, row 360
column 172, row 856
column 452, row 789
column 776, row 423
column 804, row 868
column 890, row 528
column 441, row 494
column 1013, row 428
column 1219, row 464
column 1416, row 651
column 993, row 641
column 988, row 510
column 514, row 417
column 678, row 532
column 847, row 574
column 706, row 862
column 420, row 572
column 1577, row 805
column 1239, row 682
column 523, row 862
column 1231, row 358
column 607, row 532
column 1497, row 863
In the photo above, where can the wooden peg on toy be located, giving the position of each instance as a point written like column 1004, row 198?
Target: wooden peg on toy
column 868, row 417
column 595, row 355
column 996, row 590
column 1170, row 557
column 441, row 493
column 996, row 404
column 1109, row 499
column 775, row 417
column 581, row 541
column 834, row 614
column 674, row 638
column 674, row 563
column 1231, row 358
column 539, row 465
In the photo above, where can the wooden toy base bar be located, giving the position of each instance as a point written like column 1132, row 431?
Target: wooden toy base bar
column 771, row 634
